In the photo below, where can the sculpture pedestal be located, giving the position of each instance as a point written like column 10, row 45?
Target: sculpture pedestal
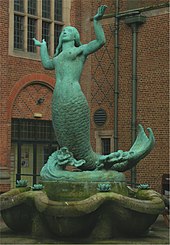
column 75, row 186
column 102, row 207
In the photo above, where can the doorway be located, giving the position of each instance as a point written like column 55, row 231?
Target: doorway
column 33, row 141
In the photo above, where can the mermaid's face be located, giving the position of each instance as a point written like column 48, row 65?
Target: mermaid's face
column 68, row 34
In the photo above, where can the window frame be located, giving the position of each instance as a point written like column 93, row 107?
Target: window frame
column 66, row 7
column 102, row 134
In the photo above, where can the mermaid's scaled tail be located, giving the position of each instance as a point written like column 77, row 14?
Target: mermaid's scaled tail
column 118, row 161
column 71, row 121
column 121, row 161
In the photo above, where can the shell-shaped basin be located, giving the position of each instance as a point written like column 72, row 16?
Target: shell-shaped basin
column 103, row 214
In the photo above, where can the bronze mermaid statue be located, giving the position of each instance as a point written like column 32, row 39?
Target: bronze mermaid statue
column 70, row 110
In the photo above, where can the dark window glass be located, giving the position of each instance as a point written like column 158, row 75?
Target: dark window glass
column 31, row 33
column 18, row 32
column 57, row 31
column 32, row 7
column 34, row 130
column 46, row 153
column 27, row 130
column 46, row 8
column 46, row 32
column 105, row 146
column 43, row 131
column 19, row 5
column 58, row 10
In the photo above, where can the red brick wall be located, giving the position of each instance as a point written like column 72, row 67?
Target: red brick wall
column 153, row 101
column 15, row 71
column 4, row 48
column 152, row 81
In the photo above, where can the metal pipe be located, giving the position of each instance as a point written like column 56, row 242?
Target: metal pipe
column 126, row 13
column 116, row 81
column 134, row 92
column 134, row 80
column 134, row 22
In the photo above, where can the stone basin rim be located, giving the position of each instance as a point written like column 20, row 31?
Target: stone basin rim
column 152, row 204
column 83, row 181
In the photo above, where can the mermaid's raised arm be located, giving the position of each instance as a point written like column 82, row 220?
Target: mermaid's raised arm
column 46, row 60
column 94, row 45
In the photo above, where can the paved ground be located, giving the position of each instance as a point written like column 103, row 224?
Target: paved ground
column 159, row 234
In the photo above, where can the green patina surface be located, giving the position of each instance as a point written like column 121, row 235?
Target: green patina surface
column 70, row 110
column 71, row 202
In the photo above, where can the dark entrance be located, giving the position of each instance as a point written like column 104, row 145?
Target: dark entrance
column 32, row 143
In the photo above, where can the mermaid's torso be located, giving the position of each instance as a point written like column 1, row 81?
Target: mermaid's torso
column 70, row 110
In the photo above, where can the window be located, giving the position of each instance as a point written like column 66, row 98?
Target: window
column 57, row 31
column 31, row 33
column 32, row 130
column 42, row 19
column 33, row 141
column 19, row 5
column 58, row 10
column 104, row 141
column 46, row 9
column 105, row 146
column 32, row 7
column 18, row 32
column 46, row 32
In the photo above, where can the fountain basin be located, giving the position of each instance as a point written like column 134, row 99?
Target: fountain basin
column 120, row 211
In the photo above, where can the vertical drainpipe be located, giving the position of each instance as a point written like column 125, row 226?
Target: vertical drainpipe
column 134, row 22
column 134, row 93
column 116, row 81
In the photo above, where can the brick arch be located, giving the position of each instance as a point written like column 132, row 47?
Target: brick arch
column 25, row 81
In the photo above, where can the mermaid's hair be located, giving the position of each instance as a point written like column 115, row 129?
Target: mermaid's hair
column 77, row 41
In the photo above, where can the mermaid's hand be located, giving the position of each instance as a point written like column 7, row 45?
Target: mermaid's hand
column 100, row 12
column 38, row 43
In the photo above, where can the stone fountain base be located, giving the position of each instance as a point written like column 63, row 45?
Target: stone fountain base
column 92, row 209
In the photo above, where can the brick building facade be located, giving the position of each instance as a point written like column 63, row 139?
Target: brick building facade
column 24, row 83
